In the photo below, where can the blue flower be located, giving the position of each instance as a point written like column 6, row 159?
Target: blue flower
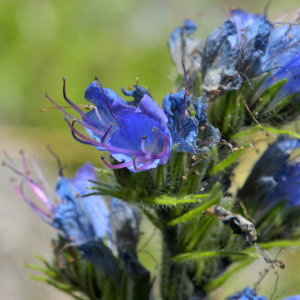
column 274, row 177
column 184, row 46
column 79, row 219
column 137, row 93
column 265, row 47
column 250, row 294
column 135, row 136
column 125, row 222
column 246, row 294
column 184, row 128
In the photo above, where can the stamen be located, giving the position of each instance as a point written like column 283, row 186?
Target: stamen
column 165, row 148
column 106, row 133
column 71, row 117
column 78, row 139
column 4, row 152
column 43, row 180
column 25, row 167
column 84, row 117
column 108, row 147
column 41, row 213
column 148, row 155
column 35, row 188
column 100, row 118
column 186, row 91
column 115, row 167
column 144, row 166
column 57, row 159
column 104, row 96
column 143, row 145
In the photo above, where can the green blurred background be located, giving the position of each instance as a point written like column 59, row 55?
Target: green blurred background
column 43, row 41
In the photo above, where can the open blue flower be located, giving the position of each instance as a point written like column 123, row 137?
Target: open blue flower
column 274, row 177
column 135, row 136
column 251, row 294
column 79, row 219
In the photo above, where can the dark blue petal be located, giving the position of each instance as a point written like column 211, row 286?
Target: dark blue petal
column 101, row 258
column 125, row 222
column 185, row 47
column 138, row 93
column 136, row 123
column 246, row 294
column 95, row 205
column 274, row 179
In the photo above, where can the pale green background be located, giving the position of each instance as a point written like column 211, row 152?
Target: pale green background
column 43, row 41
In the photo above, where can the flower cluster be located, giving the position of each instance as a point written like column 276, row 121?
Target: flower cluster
column 167, row 159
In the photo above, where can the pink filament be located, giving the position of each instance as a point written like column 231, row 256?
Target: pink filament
column 108, row 147
column 165, row 148
column 71, row 117
column 99, row 117
column 144, row 166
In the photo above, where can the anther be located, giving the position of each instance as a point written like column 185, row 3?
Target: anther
column 102, row 157
column 184, row 177
column 267, row 134
column 260, row 99
column 202, row 127
column 154, row 129
column 137, row 81
column 144, row 137
column 96, row 77
column 290, row 36
column 194, row 158
column 242, row 148
column 3, row 163
column 66, row 118
column 77, row 195
column 65, row 78
column 187, row 92
column 111, row 124
column 235, row 149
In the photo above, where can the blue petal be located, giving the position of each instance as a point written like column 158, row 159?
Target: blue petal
column 101, row 258
column 138, row 93
column 136, row 123
column 95, row 205
column 246, row 294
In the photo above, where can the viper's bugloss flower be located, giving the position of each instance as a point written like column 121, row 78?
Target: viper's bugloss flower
column 125, row 222
column 184, row 127
column 251, row 294
column 79, row 219
column 274, row 177
column 137, row 93
column 186, row 47
column 135, row 136
column 265, row 47
column 246, row 294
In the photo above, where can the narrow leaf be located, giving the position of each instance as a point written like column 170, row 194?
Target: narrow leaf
column 228, row 161
column 189, row 215
column 38, row 268
column 221, row 279
column 246, row 133
column 198, row 255
column 282, row 131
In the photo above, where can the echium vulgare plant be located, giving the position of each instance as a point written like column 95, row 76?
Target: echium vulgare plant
column 173, row 165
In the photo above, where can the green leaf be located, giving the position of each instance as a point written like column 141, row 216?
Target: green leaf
column 221, row 279
column 189, row 215
column 227, row 161
column 168, row 201
column 283, row 103
column 246, row 133
column 38, row 268
column 282, row 131
column 198, row 94
column 270, row 245
column 63, row 287
column 269, row 95
column 198, row 255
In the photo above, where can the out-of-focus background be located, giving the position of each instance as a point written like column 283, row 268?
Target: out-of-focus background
column 44, row 40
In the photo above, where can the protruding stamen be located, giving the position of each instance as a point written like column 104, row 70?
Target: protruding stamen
column 84, row 117
column 143, row 144
column 115, row 167
column 144, row 166
column 100, row 118
column 75, row 137
column 25, row 167
column 57, row 159
column 95, row 130
column 108, row 147
column 106, row 133
column 165, row 148
column 148, row 156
